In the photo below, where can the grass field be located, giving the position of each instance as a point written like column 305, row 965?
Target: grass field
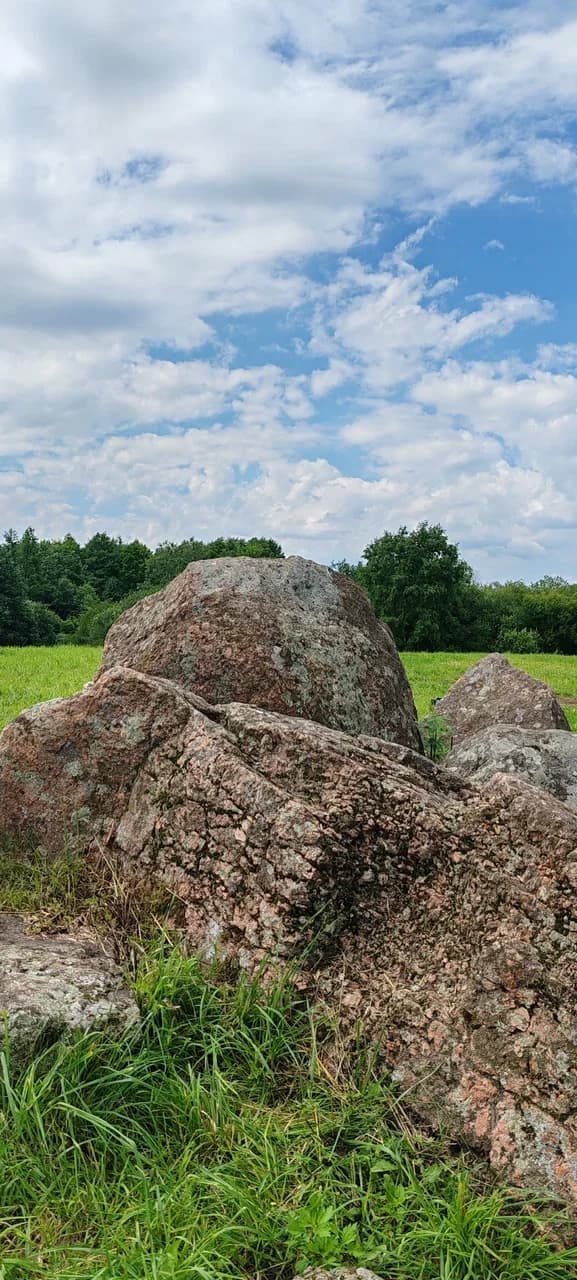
column 34, row 675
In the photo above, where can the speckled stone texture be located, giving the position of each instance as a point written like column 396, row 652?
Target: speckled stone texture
column 67, row 767
column 338, row 1273
column 442, row 915
column 285, row 635
column 545, row 757
column 495, row 692
column 51, row 987
column 472, row 983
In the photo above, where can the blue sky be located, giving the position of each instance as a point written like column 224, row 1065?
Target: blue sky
column 280, row 267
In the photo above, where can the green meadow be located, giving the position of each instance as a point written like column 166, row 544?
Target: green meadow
column 32, row 675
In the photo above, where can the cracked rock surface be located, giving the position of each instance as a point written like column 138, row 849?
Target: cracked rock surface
column 545, row 757
column 67, row 767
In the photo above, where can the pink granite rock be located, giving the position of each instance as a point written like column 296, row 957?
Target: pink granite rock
column 284, row 635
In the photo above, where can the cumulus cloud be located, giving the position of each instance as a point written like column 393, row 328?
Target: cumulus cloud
column 531, row 70
column 173, row 183
column 393, row 319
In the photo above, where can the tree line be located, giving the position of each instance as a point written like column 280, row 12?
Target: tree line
column 58, row 591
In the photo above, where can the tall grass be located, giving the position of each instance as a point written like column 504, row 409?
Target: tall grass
column 217, row 1143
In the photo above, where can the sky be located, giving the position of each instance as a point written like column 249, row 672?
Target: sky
column 291, row 269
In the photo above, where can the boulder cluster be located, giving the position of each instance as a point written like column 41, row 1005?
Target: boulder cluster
column 251, row 741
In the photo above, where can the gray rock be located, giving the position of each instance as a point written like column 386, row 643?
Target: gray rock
column 495, row 692
column 284, row 635
column 338, row 1273
column 51, row 987
column 547, row 758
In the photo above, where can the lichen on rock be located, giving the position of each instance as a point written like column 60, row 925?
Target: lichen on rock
column 56, row 986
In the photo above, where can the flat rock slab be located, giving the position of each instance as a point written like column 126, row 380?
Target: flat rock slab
column 54, row 986
column 495, row 692
column 547, row 758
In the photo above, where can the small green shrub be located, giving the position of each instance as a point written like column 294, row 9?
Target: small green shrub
column 45, row 625
column 520, row 640
column 437, row 736
column 93, row 625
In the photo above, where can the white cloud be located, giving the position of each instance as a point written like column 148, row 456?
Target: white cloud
column 531, row 71
column 165, row 172
column 392, row 320
column 551, row 161
column 511, row 198
column 323, row 381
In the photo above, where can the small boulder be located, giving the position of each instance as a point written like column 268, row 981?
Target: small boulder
column 337, row 1273
column 495, row 692
column 51, row 987
column 285, row 635
column 547, row 758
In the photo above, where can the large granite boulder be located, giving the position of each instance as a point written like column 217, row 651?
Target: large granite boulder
column 545, row 757
column 271, row 828
column 51, row 987
column 285, row 635
column 495, row 692
column 442, row 915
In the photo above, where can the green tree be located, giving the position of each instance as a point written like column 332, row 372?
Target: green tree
column 421, row 587
column 63, row 597
column 171, row 558
column 132, row 564
column 16, row 627
column 29, row 557
column 354, row 571
column 545, row 610
column 53, row 573
column 101, row 558
column 45, row 625
column 68, row 559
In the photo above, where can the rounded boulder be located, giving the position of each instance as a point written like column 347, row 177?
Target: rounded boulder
column 289, row 636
